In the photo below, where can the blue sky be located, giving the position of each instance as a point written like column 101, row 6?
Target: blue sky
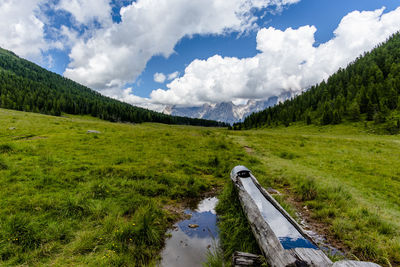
column 324, row 14
column 222, row 53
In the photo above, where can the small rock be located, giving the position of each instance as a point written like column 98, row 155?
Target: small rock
column 273, row 191
column 12, row 128
column 93, row 131
column 193, row 225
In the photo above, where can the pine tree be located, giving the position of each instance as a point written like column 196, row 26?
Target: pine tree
column 308, row 119
column 327, row 115
column 354, row 111
column 337, row 118
column 370, row 111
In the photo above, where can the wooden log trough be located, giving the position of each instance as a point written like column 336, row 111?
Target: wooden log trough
column 280, row 238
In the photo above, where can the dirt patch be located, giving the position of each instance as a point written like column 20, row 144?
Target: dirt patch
column 248, row 149
column 29, row 137
column 37, row 137
column 318, row 229
column 177, row 210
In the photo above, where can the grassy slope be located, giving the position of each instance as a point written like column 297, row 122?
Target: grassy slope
column 349, row 179
column 73, row 198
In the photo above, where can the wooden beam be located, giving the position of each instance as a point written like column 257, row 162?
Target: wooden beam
column 354, row 264
column 243, row 259
column 269, row 244
column 265, row 237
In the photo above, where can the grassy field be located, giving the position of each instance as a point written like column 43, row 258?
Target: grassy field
column 349, row 181
column 72, row 198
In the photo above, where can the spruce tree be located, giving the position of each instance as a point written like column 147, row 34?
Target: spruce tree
column 354, row 111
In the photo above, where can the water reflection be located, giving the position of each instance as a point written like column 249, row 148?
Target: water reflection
column 287, row 234
column 188, row 246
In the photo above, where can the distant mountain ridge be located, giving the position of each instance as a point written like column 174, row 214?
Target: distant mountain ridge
column 225, row 111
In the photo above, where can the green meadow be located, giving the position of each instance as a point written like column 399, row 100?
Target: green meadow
column 73, row 198
column 347, row 180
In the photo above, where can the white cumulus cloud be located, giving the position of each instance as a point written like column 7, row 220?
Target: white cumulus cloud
column 21, row 29
column 88, row 11
column 207, row 81
column 159, row 77
column 117, row 54
column 287, row 61
column 173, row 75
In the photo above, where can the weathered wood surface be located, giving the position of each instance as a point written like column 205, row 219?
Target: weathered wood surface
column 354, row 264
column 243, row 259
column 265, row 237
column 281, row 210
column 270, row 245
column 312, row 257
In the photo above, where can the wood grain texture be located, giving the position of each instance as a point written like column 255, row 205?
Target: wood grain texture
column 354, row 264
column 243, row 259
column 265, row 237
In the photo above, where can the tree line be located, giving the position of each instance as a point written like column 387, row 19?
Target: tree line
column 25, row 86
column 367, row 90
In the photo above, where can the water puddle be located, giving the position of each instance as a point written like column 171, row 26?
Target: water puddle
column 287, row 234
column 190, row 239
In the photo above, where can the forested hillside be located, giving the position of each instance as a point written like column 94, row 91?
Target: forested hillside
column 368, row 89
column 27, row 87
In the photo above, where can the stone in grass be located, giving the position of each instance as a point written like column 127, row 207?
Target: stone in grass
column 12, row 128
column 93, row 131
column 273, row 191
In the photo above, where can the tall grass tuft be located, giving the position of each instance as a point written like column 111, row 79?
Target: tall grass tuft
column 21, row 231
column 75, row 207
column 100, row 190
column 215, row 257
column 148, row 231
column 3, row 164
column 307, row 189
column 6, row 148
column 235, row 232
